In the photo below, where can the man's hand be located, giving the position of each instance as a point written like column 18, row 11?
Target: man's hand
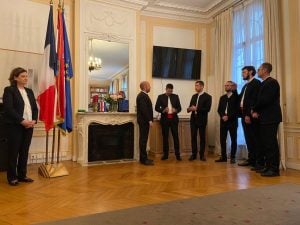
column 247, row 120
column 225, row 118
column 255, row 115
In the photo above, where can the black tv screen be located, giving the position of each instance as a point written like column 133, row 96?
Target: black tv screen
column 176, row 63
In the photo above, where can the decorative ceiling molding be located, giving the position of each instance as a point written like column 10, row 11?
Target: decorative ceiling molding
column 188, row 10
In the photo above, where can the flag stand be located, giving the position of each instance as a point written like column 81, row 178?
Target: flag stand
column 53, row 169
column 57, row 89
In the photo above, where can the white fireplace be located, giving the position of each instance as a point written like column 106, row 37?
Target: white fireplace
column 106, row 118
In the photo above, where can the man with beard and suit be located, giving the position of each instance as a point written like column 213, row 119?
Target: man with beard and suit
column 228, row 112
column 248, row 98
column 168, row 104
column 145, row 119
column 200, row 105
column 268, row 111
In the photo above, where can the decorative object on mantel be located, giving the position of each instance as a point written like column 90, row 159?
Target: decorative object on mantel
column 112, row 102
column 94, row 63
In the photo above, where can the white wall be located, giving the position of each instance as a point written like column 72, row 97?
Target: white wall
column 178, row 38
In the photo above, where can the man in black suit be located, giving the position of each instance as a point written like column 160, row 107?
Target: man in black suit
column 145, row 119
column 200, row 105
column 268, row 111
column 248, row 98
column 168, row 105
column 228, row 112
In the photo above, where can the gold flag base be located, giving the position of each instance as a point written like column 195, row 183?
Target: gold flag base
column 53, row 170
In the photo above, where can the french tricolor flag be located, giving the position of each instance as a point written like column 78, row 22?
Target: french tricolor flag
column 47, row 90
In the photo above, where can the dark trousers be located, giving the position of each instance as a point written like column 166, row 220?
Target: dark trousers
column 194, row 132
column 166, row 125
column 19, row 140
column 226, row 127
column 143, row 138
column 256, row 156
column 269, row 144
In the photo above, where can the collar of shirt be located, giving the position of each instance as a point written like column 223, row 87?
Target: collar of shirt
column 250, row 80
column 145, row 92
column 201, row 93
column 229, row 94
column 266, row 78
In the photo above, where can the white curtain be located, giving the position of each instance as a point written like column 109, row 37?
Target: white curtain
column 248, row 49
column 223, row 57
column 272, row 55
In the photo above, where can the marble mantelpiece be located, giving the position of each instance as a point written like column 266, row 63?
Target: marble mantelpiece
column 104, row 118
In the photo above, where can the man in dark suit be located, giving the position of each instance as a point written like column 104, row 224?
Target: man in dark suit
column 168, row 105
column 200, row 105
column 268, row 111
column 248, row 98
column 228, row 112
column 144, row 118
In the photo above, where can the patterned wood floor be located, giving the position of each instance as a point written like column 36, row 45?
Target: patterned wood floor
column 89, row 190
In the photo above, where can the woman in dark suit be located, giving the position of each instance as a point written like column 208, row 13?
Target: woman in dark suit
column 20, row 113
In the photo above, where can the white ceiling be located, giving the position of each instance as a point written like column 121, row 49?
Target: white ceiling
column 115, row 56
column 190, row 10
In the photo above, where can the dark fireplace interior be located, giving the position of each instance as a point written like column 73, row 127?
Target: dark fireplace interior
column 110, row 142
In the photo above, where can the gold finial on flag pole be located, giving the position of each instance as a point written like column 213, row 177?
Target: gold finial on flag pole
column 51, row 2
column 63, row 4
column 59, row 4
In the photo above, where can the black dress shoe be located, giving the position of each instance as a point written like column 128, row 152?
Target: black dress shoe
column 203, row 159
column 147, row 162
column 262, row 170
column 232, row 161
column 13, row 182
column 25, row 180
column 245, row 163
column 221, row 160
column 178, row 158
column 164, row 157
column 270, row 173
column 192, row 157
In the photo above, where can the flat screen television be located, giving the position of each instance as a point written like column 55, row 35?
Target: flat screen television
column 176, row 63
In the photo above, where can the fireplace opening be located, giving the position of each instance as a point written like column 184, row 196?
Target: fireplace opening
column 110, row 142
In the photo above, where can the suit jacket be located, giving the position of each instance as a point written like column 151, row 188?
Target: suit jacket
column 203, row 107
column 250, row 96
column 14, row 105
column 162, row 103
column 268, row 102
column 144, row 108
column 232, row 108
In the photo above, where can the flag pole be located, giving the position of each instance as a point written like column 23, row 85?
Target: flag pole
column 53, row 146
column 58, row 145
column 47, row 140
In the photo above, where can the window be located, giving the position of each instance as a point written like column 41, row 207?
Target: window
column 248, row 38
column 248, row 43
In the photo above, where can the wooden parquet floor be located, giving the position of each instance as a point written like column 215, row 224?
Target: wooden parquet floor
column 94, row 189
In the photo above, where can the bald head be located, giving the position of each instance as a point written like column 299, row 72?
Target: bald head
column 145, row 86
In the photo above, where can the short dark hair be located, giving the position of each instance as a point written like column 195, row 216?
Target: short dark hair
column 15, row 73
column 250, row 68
column 169, row 86
column 267, row 66
column 200, row 82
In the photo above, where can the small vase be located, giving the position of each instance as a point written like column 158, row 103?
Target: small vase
column 114, row 106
